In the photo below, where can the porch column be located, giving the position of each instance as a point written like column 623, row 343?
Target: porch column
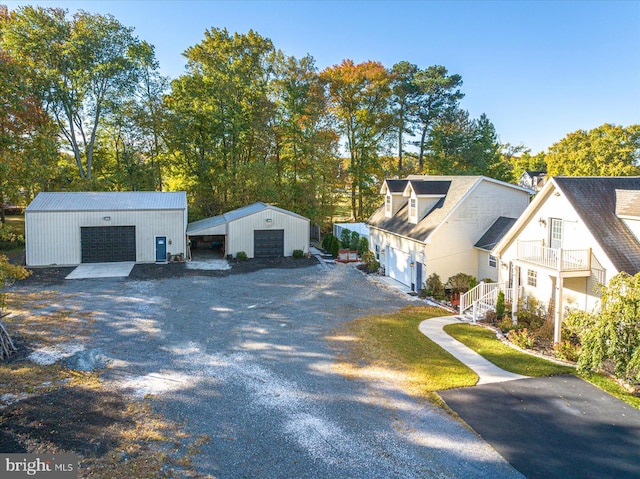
column 515, row 297
column 557, row 331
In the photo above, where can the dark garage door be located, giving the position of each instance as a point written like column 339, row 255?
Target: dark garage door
column 268, row 243
column 104, row 244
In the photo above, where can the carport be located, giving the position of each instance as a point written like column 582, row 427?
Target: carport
column 260, row 230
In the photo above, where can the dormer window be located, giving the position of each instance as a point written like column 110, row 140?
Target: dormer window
column 387, row 207
column 412, row 207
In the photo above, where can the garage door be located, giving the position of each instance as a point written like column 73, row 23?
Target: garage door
column 268, row 243
column 104, row 244
column 398, row 266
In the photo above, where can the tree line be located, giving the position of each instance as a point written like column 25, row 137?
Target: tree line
column 84, row 107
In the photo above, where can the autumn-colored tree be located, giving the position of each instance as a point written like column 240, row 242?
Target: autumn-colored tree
column 359, row 97
column 87, row 65
column 28, row 141
column 608, row 150
column 307, row 162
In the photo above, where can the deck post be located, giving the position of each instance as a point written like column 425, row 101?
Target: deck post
column 557, row 330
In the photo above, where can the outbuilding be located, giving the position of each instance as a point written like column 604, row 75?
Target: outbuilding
column 260, row 230
column 96, row 227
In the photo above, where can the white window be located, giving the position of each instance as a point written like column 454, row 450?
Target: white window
column 493, row 262
column 388, row 204
column 412, row 207
column 532, row 278
column 377, row 247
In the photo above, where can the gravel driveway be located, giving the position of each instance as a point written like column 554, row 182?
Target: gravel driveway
column 245, row 360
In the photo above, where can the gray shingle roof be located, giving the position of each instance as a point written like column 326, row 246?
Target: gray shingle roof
column 495, row 233
column 108, row 201
column 399, row 223
column 396, row 186
column 421, row 187
column 594, row 199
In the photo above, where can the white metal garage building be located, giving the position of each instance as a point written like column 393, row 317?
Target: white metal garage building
column 259, row 229
column 96, row 227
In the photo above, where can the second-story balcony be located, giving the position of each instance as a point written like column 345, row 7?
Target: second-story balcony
column 568, row 262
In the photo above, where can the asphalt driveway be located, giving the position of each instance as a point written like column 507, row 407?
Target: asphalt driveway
column 558, row 427
column 248, row 360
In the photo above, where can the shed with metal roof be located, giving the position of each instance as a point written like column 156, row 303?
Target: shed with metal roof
column 260, row 230
column 69, row 228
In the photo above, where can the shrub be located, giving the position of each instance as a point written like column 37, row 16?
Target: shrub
column 369, row 259
column 334, row 246
column 363, row 245
column 611, row 335
column 298, row 253
column 521, row 338
column 9, row 239
column 461, row 283
column 500, row 308
column 506, row 324
column 345, row 238
column 491, row 318
column 241, row 256
column 326, row 241
column 353, row 242
column 531, row 313
column 567, row 350
column 434, row 287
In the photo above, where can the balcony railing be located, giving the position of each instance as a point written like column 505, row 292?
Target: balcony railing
column 557, row 259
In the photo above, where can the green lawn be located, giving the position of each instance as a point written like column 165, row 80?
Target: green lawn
column 15, row 224
column 485, row 343
column 391, row 345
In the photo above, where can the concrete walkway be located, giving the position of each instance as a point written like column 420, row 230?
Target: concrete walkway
column 101, row 270
column 486, row 371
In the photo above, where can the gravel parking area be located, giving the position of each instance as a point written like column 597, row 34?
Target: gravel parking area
column 244, row 360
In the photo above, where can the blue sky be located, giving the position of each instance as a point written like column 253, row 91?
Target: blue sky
column 538, row 69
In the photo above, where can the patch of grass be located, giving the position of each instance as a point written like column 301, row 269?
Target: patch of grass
column 15, row 224
column 389, row 347
column 612, row 387
column 485, row 343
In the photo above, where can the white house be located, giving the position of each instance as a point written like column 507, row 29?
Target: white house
column 430, row 224
column 259, row 229
column 533, row 180
column 94, row 227
column 577, row 232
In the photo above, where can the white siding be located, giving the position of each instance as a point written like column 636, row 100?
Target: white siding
column 53, row 238
column 240, row 231
column 578, row 292
column 406, row 250
column 484, row 270
column 451, row 250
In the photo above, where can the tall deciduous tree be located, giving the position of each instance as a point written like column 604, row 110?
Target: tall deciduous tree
column 220, row 117
column 28, row 140
column 439, row 94
column 607, row 150
column 306, row 157
column 360, row 102
column 87, row 65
